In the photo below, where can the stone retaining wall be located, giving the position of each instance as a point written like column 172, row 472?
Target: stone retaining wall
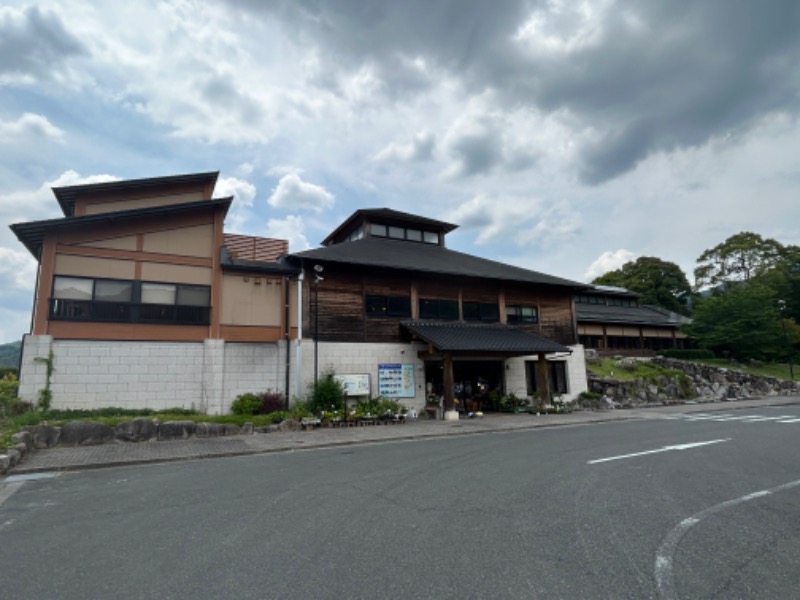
column 701, row 383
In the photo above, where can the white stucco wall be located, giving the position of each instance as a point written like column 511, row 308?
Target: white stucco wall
column 576, row 373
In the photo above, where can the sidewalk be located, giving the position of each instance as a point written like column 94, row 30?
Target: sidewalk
column 119, row 454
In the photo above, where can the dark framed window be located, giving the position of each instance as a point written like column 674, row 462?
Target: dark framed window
column 403, row 233
column 387, row 306
column 378, row 230
column 481, row 311
column 556, row 373
column 588, row 299
column 125, row 301
column 520, row 313
column 446, row 310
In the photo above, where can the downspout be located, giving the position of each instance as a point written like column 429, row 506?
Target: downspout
column 287, row 334
column 299, row 358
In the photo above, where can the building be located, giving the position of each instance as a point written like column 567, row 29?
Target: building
column 611, row 321
column 144, row 301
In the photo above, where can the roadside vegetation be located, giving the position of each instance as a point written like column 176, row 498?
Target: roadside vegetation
column 628, row 369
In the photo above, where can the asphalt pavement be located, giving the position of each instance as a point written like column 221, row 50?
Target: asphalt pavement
column 122, row 454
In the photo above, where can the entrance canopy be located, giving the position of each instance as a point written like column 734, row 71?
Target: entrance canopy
column 483, row 338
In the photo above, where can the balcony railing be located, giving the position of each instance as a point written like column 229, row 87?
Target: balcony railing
column 127, row 312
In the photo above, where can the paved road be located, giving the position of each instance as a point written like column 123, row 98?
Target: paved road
column 635, row 509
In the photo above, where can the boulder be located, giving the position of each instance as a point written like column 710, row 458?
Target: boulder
column 13, row 457
column 137, row 430
column 85, row 433
column 5, row 463
column 289, row 425
column 24, row 437
column 206, row 430
column 247, row 429
column 44, row 436
column 176, row 430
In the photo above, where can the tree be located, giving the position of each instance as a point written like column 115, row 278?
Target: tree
column 739, row 258
column 659, row 282
column 743, row 322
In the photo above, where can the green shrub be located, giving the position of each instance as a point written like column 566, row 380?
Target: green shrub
column 246, row 404
column 690, row 354
column 326, row 394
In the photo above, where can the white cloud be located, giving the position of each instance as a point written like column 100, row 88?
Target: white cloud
column 293, row 193
column 291, row 228
column 18, row 268
column 28, row 126
column 609, row 260
column 418, row 149
column 240, row 218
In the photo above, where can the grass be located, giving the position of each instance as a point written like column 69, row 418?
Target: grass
column 777, row 370
column 643, row 370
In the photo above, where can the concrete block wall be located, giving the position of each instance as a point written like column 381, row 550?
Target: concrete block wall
column 576, row 374
column 253, row 368
column 347, row 358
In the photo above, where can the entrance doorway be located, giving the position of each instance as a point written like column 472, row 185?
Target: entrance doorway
column 474, row 380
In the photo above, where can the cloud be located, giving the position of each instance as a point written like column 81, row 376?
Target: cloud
column 29, row 126
column 610, row 260
column 295, row 194
column 523, row 221
column 241, row 217
column 420, row 148
column 17, row 268
column 34, row 45
column 291, row 228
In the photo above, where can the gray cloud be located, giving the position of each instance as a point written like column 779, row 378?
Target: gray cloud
column 636, row 78
column 34, row 43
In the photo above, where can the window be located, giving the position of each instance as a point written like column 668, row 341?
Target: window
column 123, row 301
column 481, row 311
column 397, row 233
column 521, row 314
column 430, row 237
column 556, row 374
column 401, row 233
column 387, row 306
column 446, row 310
column 621, row 302
column 414, row 235
column 584, row 299
column 378, row 230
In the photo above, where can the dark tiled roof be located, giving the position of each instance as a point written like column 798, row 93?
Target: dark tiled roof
column 426, row 258
column 480, row 337
column 66, row 195
column 32, row 233
column 389, row 216
column 639, row 315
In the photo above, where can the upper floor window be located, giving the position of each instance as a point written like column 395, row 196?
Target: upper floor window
column 621, row 302
column 404, row 233
column 587, row 299
column 517, row 313
column 481, row 311
column 118, row 300
column 446, row 310
column 387, row 306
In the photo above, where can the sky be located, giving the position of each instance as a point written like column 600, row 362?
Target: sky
column 563, row 137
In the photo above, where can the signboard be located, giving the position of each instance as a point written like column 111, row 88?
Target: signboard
column 396, row 381
column 355, row 384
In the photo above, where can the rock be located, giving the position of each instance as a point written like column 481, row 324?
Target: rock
column 44, row 436
column 13, row 457
column 85, row 433
column 24, row 437
column 176, row 430
column 247, row 429
column 232, row 429
column 22, row 448
column 137, row 430
column 5, row 463
column 289, row 425
column 207, row 430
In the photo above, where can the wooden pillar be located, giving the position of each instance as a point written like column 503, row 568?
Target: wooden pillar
column 449, row 380
column 543, row 379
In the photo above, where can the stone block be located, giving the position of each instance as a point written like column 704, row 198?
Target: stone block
column 85, row 433
column 24, row 438
column 137, row 430
column 44, row 436
column 176, row 430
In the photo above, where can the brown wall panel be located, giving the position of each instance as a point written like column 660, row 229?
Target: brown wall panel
column 232, row 333
column 74, row 330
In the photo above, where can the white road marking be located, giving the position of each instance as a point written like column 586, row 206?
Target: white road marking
column 790, row 421
column 758, row 419
column 7, row 489
column 664, row 449
column 665, row 583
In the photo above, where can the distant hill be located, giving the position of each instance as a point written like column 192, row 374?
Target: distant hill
column 9, row 354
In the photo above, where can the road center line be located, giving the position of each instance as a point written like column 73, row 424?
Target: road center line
column 665, row 583
column 656, row 451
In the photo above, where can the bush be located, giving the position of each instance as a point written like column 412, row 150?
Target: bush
column 246, row 404
column 589, row 400
column 272, row 402
column 326, row 394
column 694, row 353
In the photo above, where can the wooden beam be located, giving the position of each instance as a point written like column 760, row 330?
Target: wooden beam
column 543, row 379
column 449, row 380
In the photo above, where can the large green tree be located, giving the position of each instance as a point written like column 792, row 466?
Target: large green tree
column 743, row 322
column 739, row 258
column 658, row 281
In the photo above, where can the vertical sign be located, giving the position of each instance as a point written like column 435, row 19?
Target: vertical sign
column 396, row 380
